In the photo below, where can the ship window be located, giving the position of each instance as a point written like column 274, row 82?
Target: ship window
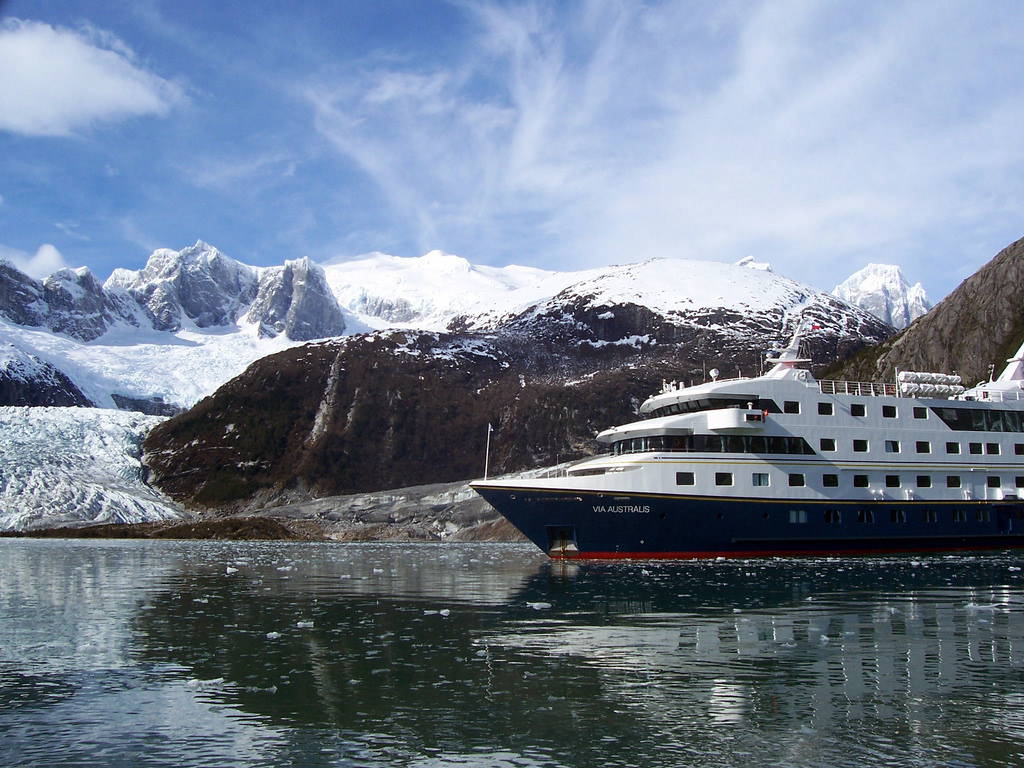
column 796, row 479
column 791, row 406
column 723, row 478
column 892, row 481
column 952, row 447
column 824, row 409
column 975, row 448
column 1018, row 449
column 865, row 516
column 982, row 515
column 923, row 446
column 889, row 411
column 920, row 413
column 833, row 516
column 684, row 478
column 952, row 481
column 1020, row 481
column 798, row 515
column 992, row 449
column 860, row 446
column 897, row 515
column 959, row 515
column 830, row 481
column 860, row 481
column 858, row 409
column 828, row 443
column 929, row 516
column 892, row 446
column 924, row 481
column 995, row 482
column 760, row 479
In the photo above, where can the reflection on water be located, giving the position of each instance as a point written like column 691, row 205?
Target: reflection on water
column 204, row 653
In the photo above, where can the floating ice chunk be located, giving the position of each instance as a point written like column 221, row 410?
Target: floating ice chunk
column 538, row 606
column 273, row 635
column 229, row 570
column 304, row 624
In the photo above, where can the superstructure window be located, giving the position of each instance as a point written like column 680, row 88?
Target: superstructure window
column 1018, row 449
column 860, row 446
column 889, row 411
column 923, row 446
column 796, row 479
column 952, row 481
column 952, row 448
column 685, row 478
column 1019, row 481
column 723, row 478
column 892, row 446
column 830, row 481
column 791, row 406
column 858, row 409
column 995, row 482
column 762, row 444
column 892, row 481
column 860, row 481
column 828, row 443
column 825, row 409
column 992, row 449
column 760, row 479
column 920, row 412
column 924, row 481
column 981, row 419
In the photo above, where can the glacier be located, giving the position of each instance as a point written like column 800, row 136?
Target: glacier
column 72, row 466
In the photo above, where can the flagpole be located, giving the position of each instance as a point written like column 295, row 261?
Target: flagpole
column 487, row 452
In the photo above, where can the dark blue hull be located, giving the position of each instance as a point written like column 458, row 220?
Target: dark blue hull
column 571, row 523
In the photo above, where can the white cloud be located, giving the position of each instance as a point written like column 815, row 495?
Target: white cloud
column 57, row 81
column 46, row 260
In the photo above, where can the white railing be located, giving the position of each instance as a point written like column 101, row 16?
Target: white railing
column 862, row 388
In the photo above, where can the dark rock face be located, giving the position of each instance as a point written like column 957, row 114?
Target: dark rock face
column 978, row 325
column 27, row 380
column 295, row 300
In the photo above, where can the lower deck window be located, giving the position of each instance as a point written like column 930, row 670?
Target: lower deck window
column 684, row 478
column 798, row 515
column 723, row 478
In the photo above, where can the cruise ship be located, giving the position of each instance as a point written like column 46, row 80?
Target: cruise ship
column 783, row 464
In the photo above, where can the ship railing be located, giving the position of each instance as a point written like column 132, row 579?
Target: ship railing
column 861, row 388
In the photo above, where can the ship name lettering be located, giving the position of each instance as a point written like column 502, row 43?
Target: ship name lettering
column 623, row 509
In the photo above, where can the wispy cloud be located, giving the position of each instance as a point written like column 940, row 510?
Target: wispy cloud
column 58, row 81
column 616, row 130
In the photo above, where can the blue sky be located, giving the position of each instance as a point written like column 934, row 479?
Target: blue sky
column 818, row 136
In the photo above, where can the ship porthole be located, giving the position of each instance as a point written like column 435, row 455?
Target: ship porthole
column 765, row 515
column 512, row 496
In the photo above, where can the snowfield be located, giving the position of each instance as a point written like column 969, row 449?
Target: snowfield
column 69, row 466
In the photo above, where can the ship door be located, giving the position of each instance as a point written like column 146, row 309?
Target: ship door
column 562, row 541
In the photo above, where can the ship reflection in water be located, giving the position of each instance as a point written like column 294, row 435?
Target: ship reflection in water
column 265, row 654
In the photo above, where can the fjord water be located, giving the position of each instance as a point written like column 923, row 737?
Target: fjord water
column 203, row 653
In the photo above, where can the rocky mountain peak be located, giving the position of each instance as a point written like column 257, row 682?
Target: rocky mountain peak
column 295, row 300
column 883, row 291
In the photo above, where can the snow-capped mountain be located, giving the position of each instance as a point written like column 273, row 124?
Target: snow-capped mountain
column 883, row 291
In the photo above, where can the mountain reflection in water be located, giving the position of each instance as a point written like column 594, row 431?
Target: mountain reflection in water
column 185, row 653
